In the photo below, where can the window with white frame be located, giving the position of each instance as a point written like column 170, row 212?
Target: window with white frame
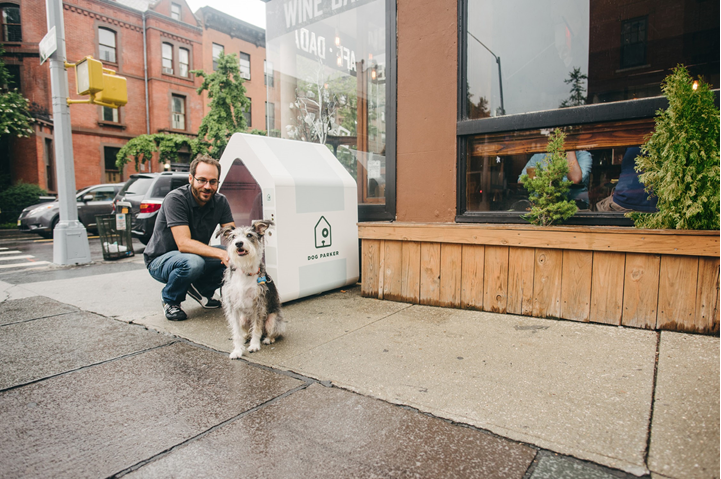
column 246, row 113
column 167, row 58
column 217, row 50
column 244, row 60
column 183, row 62
column 178, row 112
column 106, row 45
column 175, row 11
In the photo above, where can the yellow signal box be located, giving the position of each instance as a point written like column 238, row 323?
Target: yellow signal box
column 89, row 76
column 115, row 91
column 104, row 86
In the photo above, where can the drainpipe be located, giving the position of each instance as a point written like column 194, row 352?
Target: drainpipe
column 145, row 73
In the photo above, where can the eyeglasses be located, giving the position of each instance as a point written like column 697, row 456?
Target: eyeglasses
column 202, row 181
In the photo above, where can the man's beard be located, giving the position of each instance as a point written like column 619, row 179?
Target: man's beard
column 197, row 191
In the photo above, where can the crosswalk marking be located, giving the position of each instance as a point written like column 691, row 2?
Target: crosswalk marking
column 8, row 258
column 23, row 265
column 9, row 252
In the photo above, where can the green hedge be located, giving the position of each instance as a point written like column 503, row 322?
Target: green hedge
column 17, row 197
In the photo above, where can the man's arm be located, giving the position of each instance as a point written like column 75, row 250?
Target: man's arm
column 186, row 244
column 575, row 174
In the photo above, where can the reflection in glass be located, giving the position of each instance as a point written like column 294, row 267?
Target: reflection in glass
column 565, row 53
column 331, row 66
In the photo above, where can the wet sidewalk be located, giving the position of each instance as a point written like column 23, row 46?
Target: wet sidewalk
column 97, row 383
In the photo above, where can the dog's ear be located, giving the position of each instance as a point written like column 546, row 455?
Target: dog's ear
column 225, row 231
column 261, row 226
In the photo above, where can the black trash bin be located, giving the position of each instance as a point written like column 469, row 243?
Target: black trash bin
column 115, row 236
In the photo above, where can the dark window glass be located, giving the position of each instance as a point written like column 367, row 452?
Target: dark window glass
column 112, row 172
column 110, row 114
column 633, row 43
column 269, row 77
column 13, row 78
column 178, row 113
column 11, row 28
column 217, row 50
column 246, row 113
column 184, row 61
column 138, row 185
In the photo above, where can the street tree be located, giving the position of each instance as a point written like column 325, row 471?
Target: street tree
column 228, row 104
column 14, row 116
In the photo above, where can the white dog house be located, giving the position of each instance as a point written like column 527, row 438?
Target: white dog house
column 311, row 198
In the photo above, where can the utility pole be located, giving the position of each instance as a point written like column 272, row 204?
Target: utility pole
column 70, row 240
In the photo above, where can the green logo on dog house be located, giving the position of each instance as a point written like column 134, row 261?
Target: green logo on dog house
column 323, row 237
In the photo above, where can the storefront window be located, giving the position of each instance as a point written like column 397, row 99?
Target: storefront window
column 331, row 60
column 592, row 68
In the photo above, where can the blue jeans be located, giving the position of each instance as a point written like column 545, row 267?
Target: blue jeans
column 179, row 270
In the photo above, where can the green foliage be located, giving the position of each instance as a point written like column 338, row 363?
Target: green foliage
column 680, row 160
column 141, row 148
column 547, row 191
column 256, row 131
column 17, row 197
column 227, row 104
column 14, row 116
column 578, row 91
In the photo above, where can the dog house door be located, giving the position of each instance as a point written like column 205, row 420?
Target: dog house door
column 243, row 193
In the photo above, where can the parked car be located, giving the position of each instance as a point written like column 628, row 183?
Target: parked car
column 91, row 201
column 145, row 193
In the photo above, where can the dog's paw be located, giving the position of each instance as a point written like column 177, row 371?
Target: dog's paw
column 254, row 346
column 236, row 354
column 267, row 340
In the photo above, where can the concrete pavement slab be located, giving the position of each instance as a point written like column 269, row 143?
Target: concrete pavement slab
column 552, row 466
column 101, row 420
column 45, row 347
column 578, row 389
column 685, row 428
column 16, row 310
column 328, row 433
column 10, row 291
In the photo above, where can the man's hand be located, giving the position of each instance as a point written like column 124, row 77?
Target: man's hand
column 186, row 244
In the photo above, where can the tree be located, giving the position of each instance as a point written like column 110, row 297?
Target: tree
column 228, row 104
column 226, row 116
column 547, row 191
column 680, row 160
column 14, row 116
column 578, row 90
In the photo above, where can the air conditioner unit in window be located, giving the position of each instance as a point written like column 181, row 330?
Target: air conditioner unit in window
column 167, row 70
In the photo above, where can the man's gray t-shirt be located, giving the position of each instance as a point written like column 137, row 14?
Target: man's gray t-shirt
column 180, row 208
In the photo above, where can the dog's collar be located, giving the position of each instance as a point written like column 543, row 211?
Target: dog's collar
column 261, row 279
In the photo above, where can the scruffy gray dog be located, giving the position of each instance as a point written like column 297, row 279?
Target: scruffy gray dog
column 250, row 298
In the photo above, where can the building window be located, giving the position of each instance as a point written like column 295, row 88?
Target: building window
column 106, row 45
column 268, row 73
column 175, row 11
column 217, row 50
column 184, row 62
column 269, row 117
column 633, row 42
column 11, row 28
column 110, row 114
column 247, row 115
column 13, row 78
column 244, row 60
column 112, row 173
column 178, row 113
column 50, row 165
column 520, row 69
column 167, row 58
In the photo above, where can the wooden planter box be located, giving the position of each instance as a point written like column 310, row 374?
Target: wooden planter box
column 652, row 279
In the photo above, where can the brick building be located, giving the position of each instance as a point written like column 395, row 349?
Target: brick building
column 154, row 45
column 224, row 33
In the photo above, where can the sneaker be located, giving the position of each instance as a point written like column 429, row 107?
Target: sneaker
column 173, row 312
column 207, row 303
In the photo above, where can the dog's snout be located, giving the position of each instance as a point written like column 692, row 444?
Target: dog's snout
column 239, row 244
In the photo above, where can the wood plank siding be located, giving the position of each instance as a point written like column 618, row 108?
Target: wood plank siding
column 651, row 279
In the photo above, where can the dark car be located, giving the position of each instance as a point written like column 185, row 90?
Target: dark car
column 91, row 201
column 145, row 193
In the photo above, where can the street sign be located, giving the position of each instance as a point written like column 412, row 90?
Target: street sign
column 48, row 45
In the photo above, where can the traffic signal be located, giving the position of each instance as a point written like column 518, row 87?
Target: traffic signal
column 103, row 85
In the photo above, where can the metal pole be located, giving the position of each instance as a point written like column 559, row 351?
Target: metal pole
column 70, row 240
column 500, row 83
